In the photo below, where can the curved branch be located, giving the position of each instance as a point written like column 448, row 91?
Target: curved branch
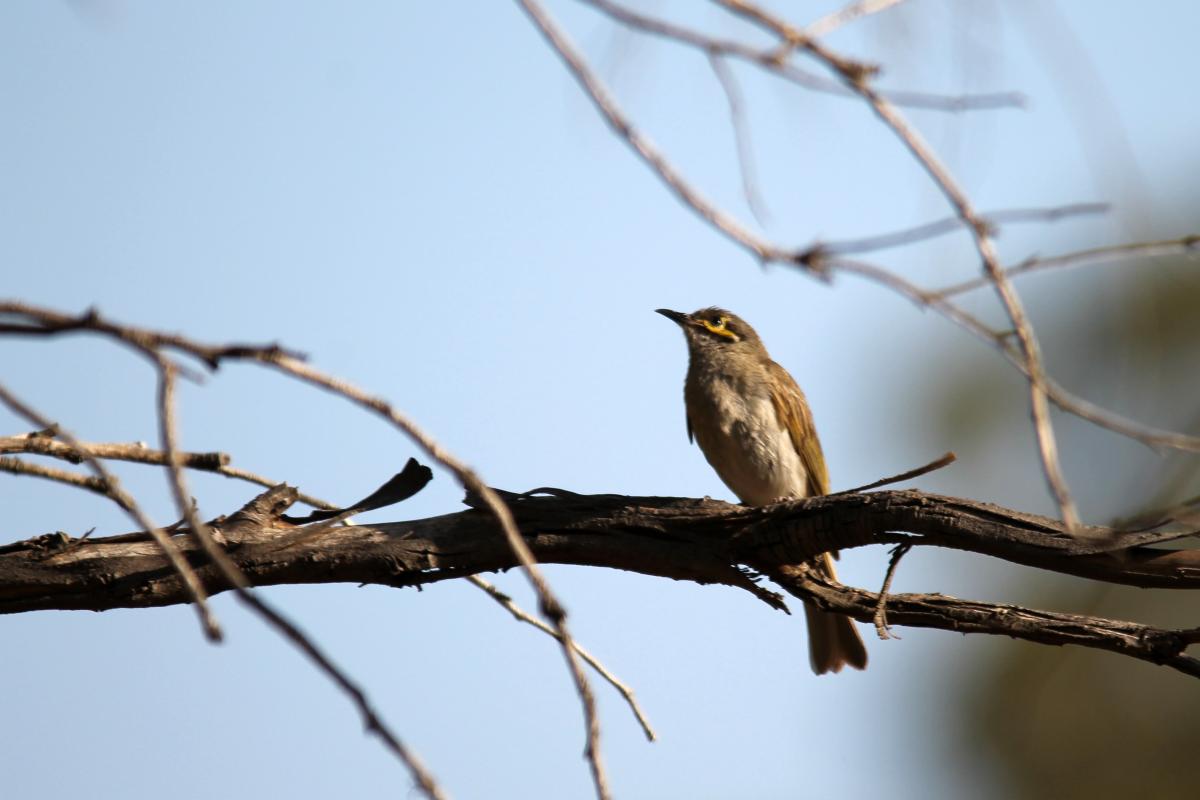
column 705, row 541
column 1143, row 642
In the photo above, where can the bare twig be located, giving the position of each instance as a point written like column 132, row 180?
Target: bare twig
column 1185, row 245
column 640, row 144
column 940, row 227
column 771, row 61
column 851, row 71
column 745, row 151
column 522, row 616
column 136, row 452
column 91, row 483
column 48, row 322
column 1148, row 435
column 847, row 14
column 936, row 464
column 882, row 628
column 192, row 586
column 1185, row 512
column 139, row 453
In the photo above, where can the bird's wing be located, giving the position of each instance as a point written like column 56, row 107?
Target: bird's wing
column 688, row 418
column 793, row 413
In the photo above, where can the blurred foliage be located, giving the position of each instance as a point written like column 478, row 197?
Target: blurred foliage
column 1043, row 722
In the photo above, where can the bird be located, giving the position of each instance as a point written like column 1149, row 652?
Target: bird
column 755, row 428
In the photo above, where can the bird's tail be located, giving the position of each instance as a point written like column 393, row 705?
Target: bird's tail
column 833, row 641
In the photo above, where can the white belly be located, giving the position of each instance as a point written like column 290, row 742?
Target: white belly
column 750, row 451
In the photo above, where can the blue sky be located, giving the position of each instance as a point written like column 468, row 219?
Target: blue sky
column 418, row 197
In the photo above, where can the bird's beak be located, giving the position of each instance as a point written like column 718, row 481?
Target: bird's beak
column 678, row 317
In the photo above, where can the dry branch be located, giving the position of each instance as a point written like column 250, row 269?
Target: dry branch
column 91, row 483
column 1183, row 246
column 941, row 227
column 771, row 61
column 521, row 615
column 704, row 541
column 1072, row 404
column 41, row 443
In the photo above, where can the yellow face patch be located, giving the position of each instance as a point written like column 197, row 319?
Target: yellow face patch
column 719, row 328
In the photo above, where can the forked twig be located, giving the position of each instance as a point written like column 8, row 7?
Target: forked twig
column 930, row 230
column 847, row 14
column 741, row 136
column 1184, row 245
column 192, row 587
column 137, row 452
column 773, row 62
column 936, row 464
column 522, row 616
column 646, row 150
column 1072, row 404
column 91, row 483
column 881, row 624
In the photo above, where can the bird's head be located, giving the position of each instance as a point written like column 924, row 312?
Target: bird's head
column 716, row 332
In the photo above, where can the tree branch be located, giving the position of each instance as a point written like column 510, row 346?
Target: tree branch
column 1185, row 245
column 772, row 61
column 704, row 541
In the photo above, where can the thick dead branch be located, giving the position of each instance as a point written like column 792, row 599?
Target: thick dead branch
column 1143, row 642
column 704, row 541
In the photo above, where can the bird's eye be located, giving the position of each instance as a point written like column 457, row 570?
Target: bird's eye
column 719, row 322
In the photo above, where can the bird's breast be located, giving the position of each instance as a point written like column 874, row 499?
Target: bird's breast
column 739, row 432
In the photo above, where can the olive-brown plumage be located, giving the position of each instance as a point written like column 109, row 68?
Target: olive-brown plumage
column 755, row 428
